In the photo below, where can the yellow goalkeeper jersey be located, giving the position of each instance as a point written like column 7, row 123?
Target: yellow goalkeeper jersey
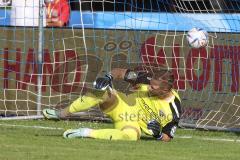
column 138, row 108
column 167, row 113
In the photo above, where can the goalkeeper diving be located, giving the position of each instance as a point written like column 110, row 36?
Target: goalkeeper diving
column 152, row 108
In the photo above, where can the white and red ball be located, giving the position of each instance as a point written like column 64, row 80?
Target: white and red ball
column 197, row 38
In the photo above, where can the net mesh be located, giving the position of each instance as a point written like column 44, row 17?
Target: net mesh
column 101, row 35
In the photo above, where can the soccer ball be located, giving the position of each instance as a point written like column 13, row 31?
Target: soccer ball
column 197, row 38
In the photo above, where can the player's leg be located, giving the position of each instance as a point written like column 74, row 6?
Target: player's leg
column 125, row 121
column 107, row 134
column 130, row 133
column 81, row 104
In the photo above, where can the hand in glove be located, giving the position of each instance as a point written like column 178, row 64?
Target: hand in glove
column 155, row 127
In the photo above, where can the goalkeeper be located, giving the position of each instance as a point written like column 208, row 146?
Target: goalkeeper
column 153, row 107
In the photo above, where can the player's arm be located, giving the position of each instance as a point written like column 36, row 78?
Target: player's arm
column 131, row 76
column 134, row 77
column 165, row 138
column 55, row 23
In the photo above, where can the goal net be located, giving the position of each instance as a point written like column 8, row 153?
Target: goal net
column 101, row 35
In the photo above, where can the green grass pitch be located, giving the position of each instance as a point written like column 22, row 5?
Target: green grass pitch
column 25, row 140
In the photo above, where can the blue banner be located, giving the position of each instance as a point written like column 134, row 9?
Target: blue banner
column 148, row 21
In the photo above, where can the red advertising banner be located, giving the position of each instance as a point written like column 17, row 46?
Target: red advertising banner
column 70, row 60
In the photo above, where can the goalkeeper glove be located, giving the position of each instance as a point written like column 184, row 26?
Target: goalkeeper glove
column 155, row 127
column 102, row 83
column 135, row 77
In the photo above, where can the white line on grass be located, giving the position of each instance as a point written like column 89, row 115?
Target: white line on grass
column 181, row 137
column 35, row 127
column 210, row 139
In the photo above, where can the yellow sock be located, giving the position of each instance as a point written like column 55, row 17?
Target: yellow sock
column 115, row 134
column 84, row 103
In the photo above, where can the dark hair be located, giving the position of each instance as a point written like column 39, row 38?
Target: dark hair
column 165, row 76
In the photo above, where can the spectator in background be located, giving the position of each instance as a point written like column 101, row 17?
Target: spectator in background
column 57, row 13
column 25, row 13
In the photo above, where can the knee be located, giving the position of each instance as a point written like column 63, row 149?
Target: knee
column 132, row 134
